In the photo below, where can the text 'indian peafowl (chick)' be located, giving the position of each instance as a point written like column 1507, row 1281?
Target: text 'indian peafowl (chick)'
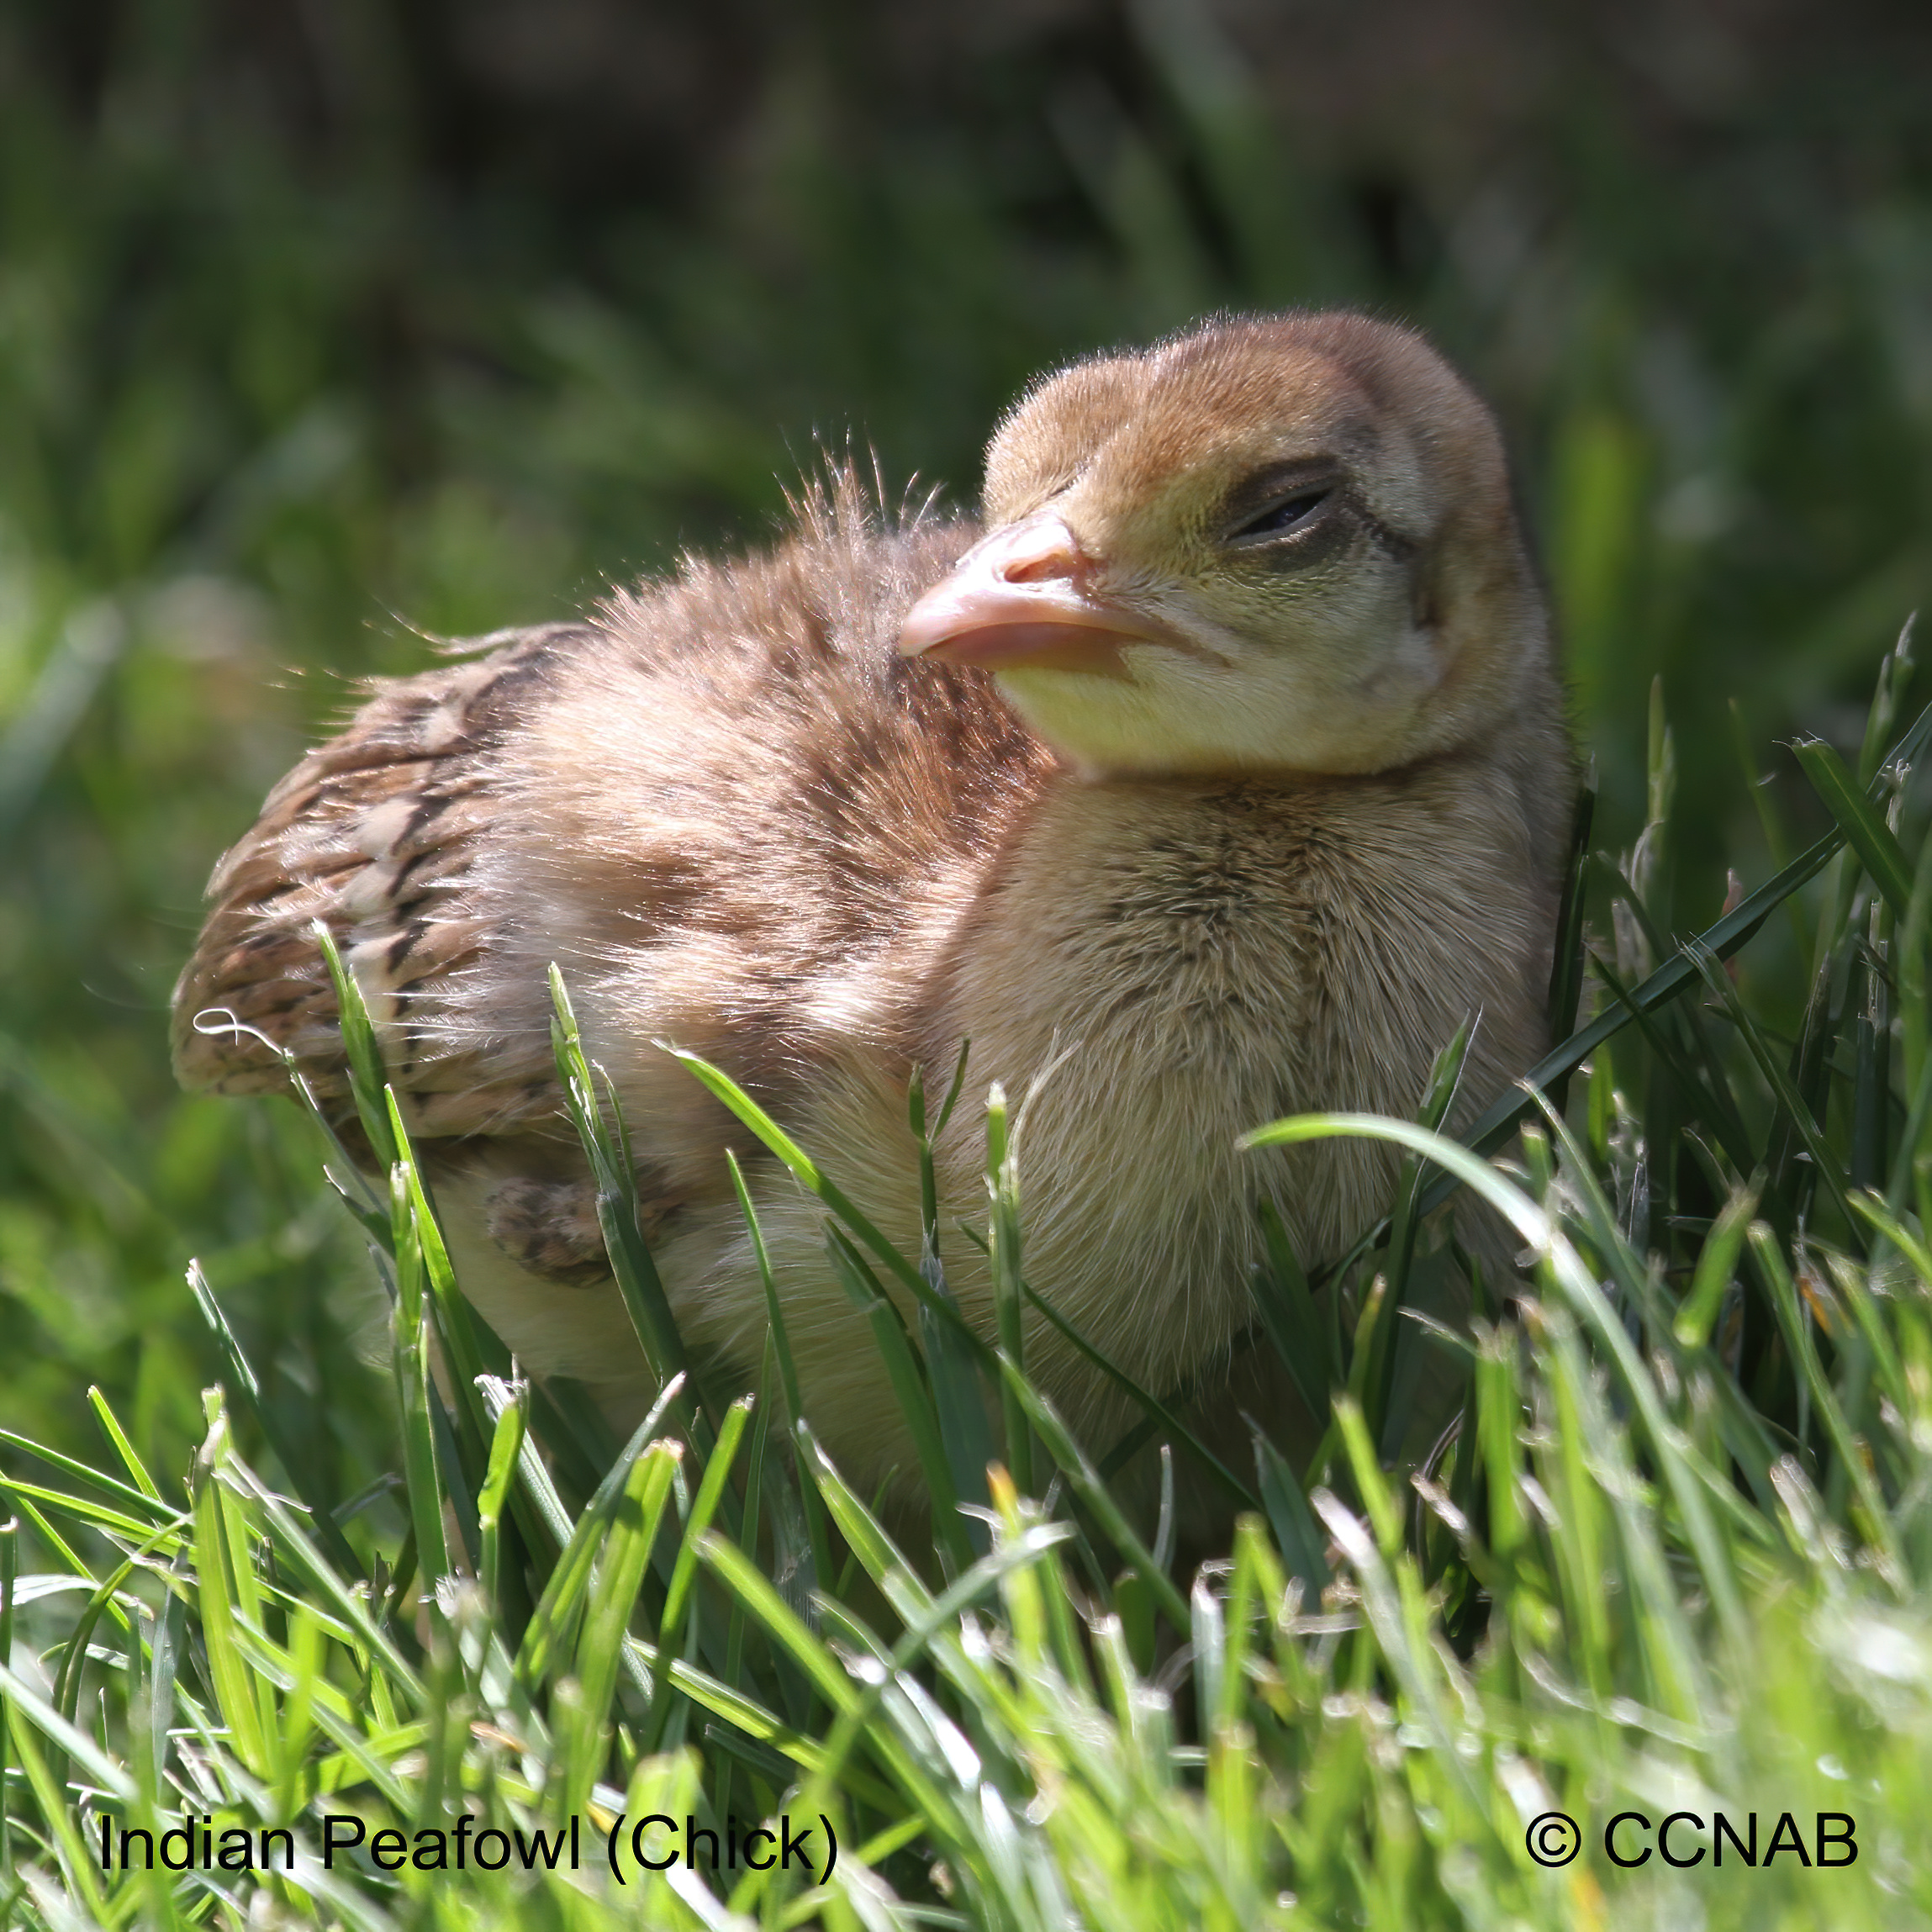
column 1221, row 775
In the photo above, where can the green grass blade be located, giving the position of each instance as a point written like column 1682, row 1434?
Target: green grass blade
column 506, row 1448
column 1086, row 1484
column 1567, row 955
column 909, row 1386
column 636, row 1513
column 219, row 1566
column 810, row 1506
column 550, row 1636
column 360, row 1051
column 1877, row 847
column 631, row 1266
column 411, row 1353
column 1297, row 1534
column 809, row 1172
column 118, row 1441
column 678, row 1599
column 1717, row 1266
column 1003, row 1252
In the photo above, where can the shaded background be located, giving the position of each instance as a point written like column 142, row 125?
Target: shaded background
column 325, row 323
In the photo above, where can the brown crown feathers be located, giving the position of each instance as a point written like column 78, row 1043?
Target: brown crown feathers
column 1223, row 777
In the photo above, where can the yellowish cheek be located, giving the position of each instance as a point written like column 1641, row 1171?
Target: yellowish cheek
column 1311, row 711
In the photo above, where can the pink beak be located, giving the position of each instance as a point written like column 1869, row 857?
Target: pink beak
column 1020, row 598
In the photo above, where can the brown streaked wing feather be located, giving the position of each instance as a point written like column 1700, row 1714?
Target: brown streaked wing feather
column 372, row 833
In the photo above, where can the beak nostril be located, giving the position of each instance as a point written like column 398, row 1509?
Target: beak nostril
column 1039, row 553
column 1039, row 567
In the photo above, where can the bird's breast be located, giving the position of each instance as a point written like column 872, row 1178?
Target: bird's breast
column 1157, row 971
column 1138, row 932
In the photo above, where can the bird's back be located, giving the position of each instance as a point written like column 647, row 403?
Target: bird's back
column 700, row 802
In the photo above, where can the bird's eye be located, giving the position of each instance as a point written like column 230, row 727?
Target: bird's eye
column 1291, row 513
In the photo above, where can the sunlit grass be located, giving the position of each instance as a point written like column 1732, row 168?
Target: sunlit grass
column 1673, row 1556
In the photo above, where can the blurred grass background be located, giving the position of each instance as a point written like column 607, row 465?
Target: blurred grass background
column 324, row 326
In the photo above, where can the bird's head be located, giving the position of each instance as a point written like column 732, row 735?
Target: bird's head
column 1280, row 544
